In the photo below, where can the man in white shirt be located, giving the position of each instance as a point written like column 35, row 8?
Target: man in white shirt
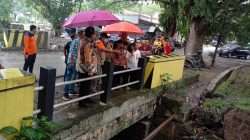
column 133, row 56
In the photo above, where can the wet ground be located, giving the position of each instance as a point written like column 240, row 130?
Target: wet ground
column 16, row 60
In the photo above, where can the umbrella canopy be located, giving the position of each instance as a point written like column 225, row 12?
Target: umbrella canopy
column 123, row 27
column 91, row 18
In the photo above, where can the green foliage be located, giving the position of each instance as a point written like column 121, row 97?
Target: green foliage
column 242, row 29
column 54, row 11
column 233, row 93
column 216, row 104
column 236, row 85
column 115, row 6
column 169, row 15
column 5, row 11
column 31, row 129
column 57, row 11
column 170, row 86
column 8, row 132
column 221, row 104
column 166, row 81
column 27, row 12
column 230, row 18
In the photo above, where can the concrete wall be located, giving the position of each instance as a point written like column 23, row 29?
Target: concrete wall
column 13, row 39
column 16, row 97
column 112, row 120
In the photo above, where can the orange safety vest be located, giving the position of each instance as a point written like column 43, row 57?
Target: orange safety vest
column 30, row 46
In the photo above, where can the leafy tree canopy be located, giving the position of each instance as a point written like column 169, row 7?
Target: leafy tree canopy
column 112, row 5
column 5, row 11
column 55, row 11
column 227, row 17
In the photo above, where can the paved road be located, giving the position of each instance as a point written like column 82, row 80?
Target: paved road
column 56, row 60
column 52, row 59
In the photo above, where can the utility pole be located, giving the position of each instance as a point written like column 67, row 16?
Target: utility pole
column 219, row 40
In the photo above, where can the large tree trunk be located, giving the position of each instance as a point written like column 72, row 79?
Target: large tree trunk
column 195, row 38
column 171, row 27
column 195, row 41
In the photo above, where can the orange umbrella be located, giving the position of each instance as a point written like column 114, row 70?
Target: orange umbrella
column 123, row 27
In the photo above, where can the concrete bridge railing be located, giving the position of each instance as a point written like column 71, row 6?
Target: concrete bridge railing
column 47, row 85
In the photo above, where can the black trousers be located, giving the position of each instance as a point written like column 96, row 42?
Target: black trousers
column 120, row 79
column 29, row 63
column 103, row 79
column 85, row 87
column 133, row 76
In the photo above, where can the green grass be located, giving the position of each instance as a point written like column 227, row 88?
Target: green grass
column 228, row 88
column 216, row 104
column 233, row 93
column 223, row 104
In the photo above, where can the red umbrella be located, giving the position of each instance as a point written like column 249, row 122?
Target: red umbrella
column 123, row 27
column 91, row 18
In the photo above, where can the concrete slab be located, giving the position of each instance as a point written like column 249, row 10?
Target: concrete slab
column 98, row 122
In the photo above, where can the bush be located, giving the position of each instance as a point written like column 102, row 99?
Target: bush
column 31, row 129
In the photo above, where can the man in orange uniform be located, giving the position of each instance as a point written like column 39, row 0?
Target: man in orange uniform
column 101, row 45
column 30, row 49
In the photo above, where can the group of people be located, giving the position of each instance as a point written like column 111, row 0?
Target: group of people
column 85, row 55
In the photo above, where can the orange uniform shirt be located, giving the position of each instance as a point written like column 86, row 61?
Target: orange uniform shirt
column 30, row 46
column 100, row 44
column 102, row 55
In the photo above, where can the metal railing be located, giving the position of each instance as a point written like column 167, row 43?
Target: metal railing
column 39, row 88
column 47, row 85
column 80, row 80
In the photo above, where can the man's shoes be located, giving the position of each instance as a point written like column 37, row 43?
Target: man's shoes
column 73, row 94
column 66, row 98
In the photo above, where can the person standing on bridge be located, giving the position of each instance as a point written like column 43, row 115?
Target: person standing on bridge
column 72, row 34
column 120, row 63
column 103, row 52
column 69, row 90
column 87, row 63
column 30, row 49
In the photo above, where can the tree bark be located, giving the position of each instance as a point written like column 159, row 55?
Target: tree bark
column 196, row 37
column 171, row 27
